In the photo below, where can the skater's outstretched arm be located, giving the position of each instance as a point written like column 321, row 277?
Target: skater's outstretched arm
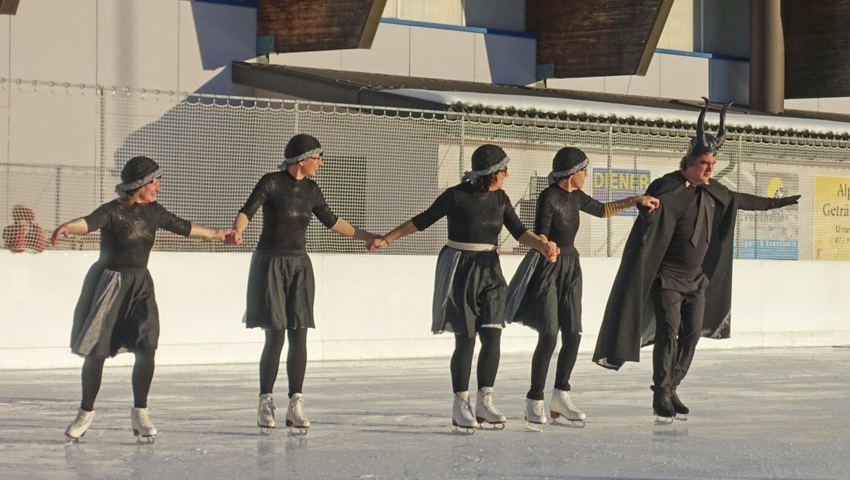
column 77, row 226
column 342, row 227
column 400, row 231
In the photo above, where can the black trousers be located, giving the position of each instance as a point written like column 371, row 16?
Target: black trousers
column 296, row 359
column 488, row 359
column 678, row 323
column 543, row 355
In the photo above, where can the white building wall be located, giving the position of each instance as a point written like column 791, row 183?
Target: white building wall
column 374, row 306
column 154, row 44
column 421, row 51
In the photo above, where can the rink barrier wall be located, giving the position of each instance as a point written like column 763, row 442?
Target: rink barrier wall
column 374, row 307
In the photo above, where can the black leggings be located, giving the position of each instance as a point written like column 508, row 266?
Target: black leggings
column 296, row 359
column 142, row 377
column 488, row 359
column 542, row 357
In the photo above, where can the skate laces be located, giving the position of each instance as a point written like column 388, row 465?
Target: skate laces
column 537, row 408
column 487, row 403
column 465, row 407
column 83, row 419
column 295, row 405
column 267, row 407
column 143, row 418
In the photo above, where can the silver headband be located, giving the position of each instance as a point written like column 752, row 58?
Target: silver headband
column 126, row 187
column 293, row 160
column 473, row 174
column 554, row 176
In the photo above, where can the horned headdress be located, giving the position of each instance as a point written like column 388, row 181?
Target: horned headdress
column 705, row 142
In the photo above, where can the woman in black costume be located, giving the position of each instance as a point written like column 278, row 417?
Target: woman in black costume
column 547, row 296
column 469, row 292
column 117, row 309
column 280, row 283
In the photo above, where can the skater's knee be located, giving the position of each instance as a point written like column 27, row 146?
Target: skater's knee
column 547, row 342
column 490, row 335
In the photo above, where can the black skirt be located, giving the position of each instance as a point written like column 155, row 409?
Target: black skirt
column 552, row 296
column 116, row 312
column 471, row 291
column 281, row 290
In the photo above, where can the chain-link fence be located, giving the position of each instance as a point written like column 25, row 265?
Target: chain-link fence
column 65, row 145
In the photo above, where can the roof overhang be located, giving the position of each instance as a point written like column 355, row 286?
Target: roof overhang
column 370, row 89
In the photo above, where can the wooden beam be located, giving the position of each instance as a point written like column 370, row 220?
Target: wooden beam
column 314, row 25
column 587, row 38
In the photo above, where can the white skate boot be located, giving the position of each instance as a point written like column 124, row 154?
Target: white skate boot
column 79, row 426
column 265, row 414
column 486, row 412
column 295, row 419
column 563, row 411
column 142, row 426
column 462, row 416
column 535, row 415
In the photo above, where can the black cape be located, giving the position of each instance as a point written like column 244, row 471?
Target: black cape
column 629, row 320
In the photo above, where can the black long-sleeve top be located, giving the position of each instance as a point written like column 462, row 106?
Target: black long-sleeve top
column 683, row 260
column 474, row 216
column 127, row 233
column 288, row 205
column 557, row 214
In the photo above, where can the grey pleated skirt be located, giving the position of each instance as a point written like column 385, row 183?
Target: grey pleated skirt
column 547, row 296
column 281, row 290
column 469, row 291
column 116, row 312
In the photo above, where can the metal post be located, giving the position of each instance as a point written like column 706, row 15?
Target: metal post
column 608, row 221
column 767, row 56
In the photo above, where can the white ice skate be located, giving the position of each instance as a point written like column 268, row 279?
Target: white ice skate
column 563, row 411
column 486, row 411
column 142, row 426
column 462, row 417
column 78, row 426
column 295, row 419
column 535, row 415
column 265, row 414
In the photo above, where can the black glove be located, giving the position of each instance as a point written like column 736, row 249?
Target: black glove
column 792, row 200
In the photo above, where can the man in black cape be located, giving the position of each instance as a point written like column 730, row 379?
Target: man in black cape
column 674, row 284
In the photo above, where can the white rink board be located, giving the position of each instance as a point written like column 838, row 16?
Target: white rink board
column 372, row 307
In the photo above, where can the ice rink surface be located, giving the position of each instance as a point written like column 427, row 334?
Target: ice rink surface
column 755, row 414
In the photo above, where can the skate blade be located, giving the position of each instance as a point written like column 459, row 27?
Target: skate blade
column 266, row 431
column 71, row 440
column 681, row 417
column 464, row 430
column 149, row 440
column 559, row 420
column 491, row 426
column 533, row 427
column 296, row 430
column 663, row 420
